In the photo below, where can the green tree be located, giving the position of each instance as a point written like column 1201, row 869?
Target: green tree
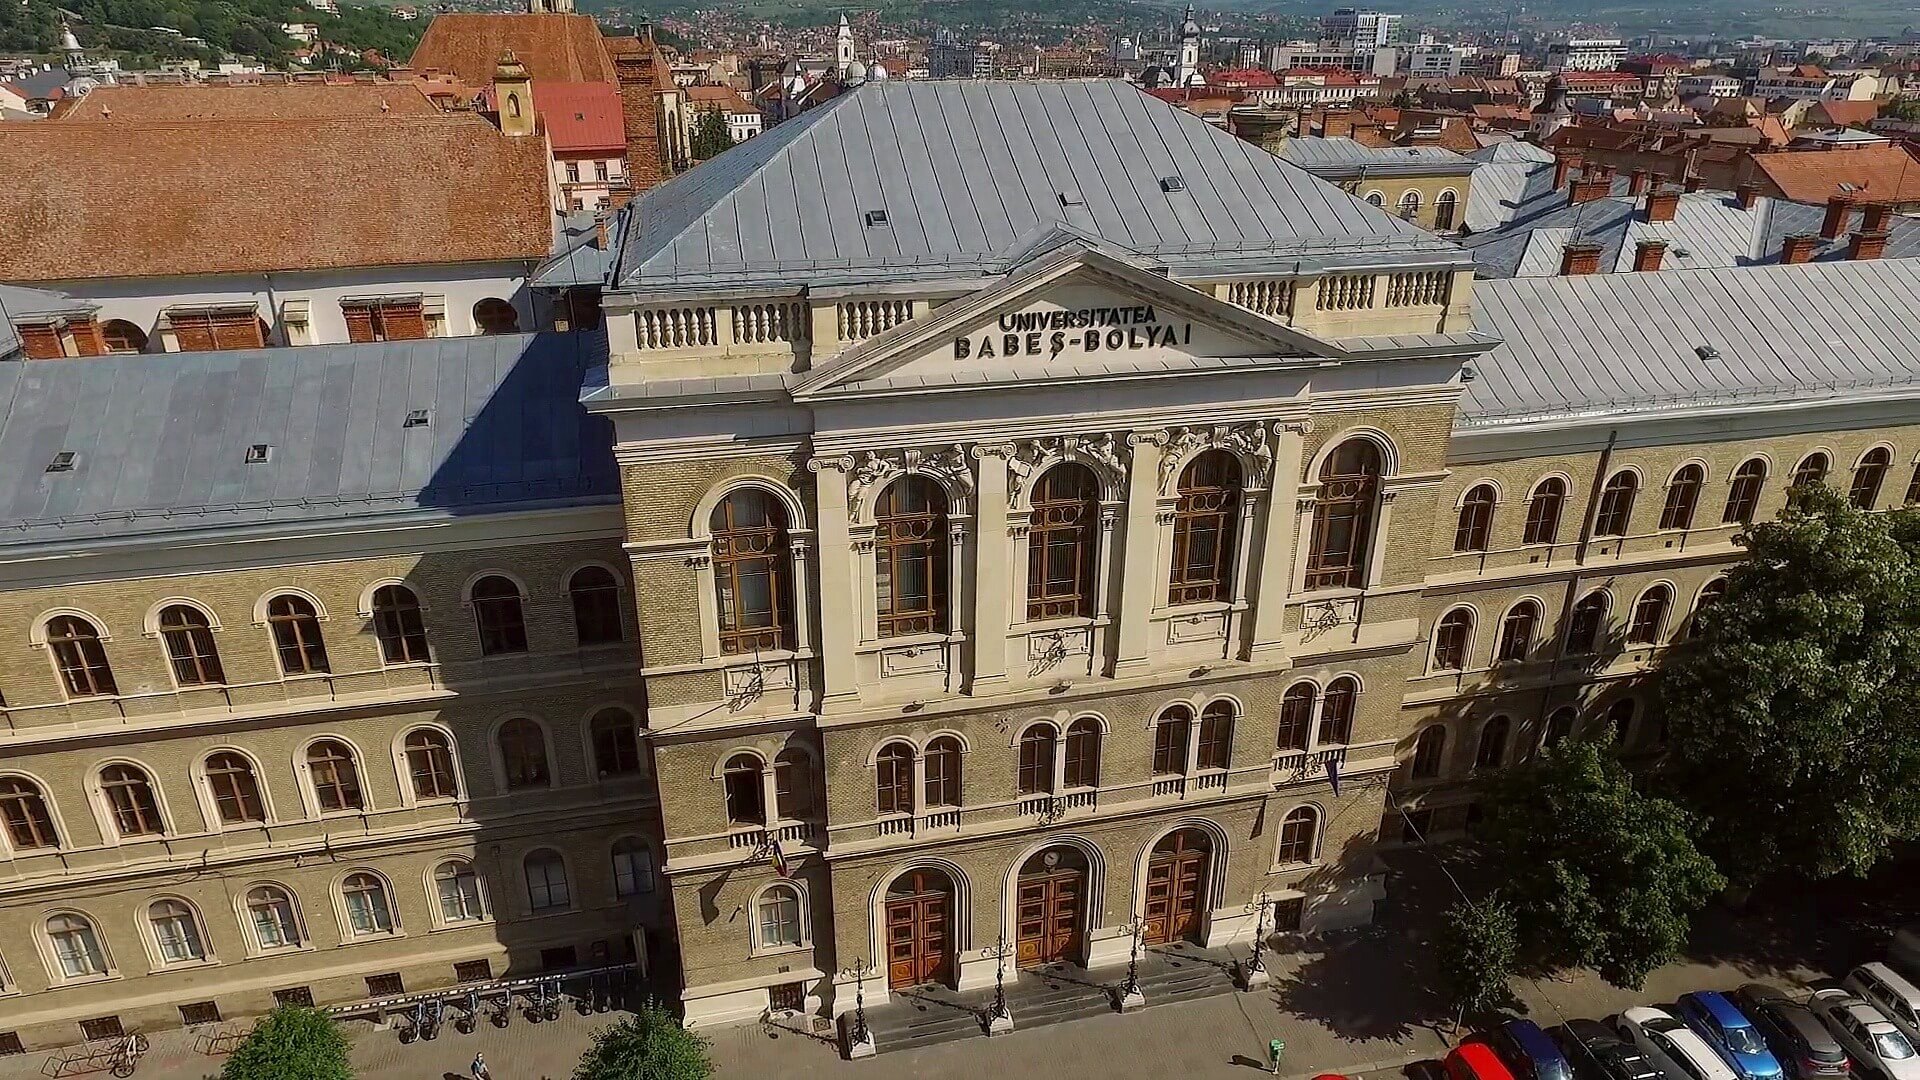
column 650, row 1045
column 710, row 134
column 1600, row 874
column 1479, row 952
column 1793, row 716
column 291, row 1043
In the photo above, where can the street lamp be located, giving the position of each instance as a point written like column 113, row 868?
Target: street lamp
column 860, row 1041
column 1256, row 973
column 1000, row 1020
column 1130, row 995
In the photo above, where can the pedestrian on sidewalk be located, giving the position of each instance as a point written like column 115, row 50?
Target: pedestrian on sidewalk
column 480, row 1071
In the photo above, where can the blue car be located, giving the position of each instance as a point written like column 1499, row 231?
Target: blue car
column 1528, row 1052
column 1730, row 1033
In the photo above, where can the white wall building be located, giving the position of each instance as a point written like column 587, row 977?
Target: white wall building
column 1587, row 54
column 1713, row 86
column 1353, row 28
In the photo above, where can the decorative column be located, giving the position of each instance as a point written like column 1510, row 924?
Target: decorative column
column 839, row 625
column 1382, row 525
column 1138, row 572
column 802, row 616
column 1274, row 578
column 991, row 581
column 956, row 593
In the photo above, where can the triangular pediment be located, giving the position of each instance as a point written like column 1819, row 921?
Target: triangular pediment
column 1077, row 310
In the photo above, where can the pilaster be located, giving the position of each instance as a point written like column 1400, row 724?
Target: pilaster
column 1274, row 577
column 991, row 590
column 839, row 622
column 1141, row 538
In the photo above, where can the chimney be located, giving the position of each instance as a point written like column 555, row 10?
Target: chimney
column 1580, row 257
column 1662, row 205
column 1563, row 166
column 1799, row 248
column 1873, row 217
column 1588, row 188
column 1748, row 195
column 1867, row 245
column 1337, row 125
column 1637, row 182
column 600, row 232
column 1647, row 255
column 1692, row 182
column 1839, row 208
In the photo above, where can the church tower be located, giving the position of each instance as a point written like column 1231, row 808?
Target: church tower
column 843, row 48
column 1187, row 70
column 76, row 57
column 513, row 96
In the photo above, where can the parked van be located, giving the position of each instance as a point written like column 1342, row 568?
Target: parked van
column 1884, row 989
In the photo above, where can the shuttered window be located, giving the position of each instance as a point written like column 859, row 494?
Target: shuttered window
column 385, row 320
column 213, row 331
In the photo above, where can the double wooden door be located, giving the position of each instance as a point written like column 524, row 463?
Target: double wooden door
column 1050, row 918
column 918, row 949
column 1176, row 889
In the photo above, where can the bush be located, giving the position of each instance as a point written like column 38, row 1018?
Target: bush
column 291, row 1043
column 650, row 1045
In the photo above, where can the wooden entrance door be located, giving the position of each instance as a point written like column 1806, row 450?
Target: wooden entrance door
column 1176, row 887
column 917, row 930
column 1049, row 911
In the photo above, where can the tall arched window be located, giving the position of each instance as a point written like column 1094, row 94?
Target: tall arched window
column 369, row 908
column 1216, row 737
column 1444, row 210
column 398, row 625
column 1336, row 711
column 1913, row 487
column 1517, row 631
column 632, row 867
column 296, row 635
column 753, row 572
column 80, row 656
column 236, row 790
column 1811, row 470
column 793, row 785
column 1867, row 476
column 176, row 932
column 1543, row 511
column 24, row 809
column 523, row 754
column 1429, row 752
column 336, row 779
column 1588, row 619
column 499, row 615
column 190, row 649
column 1062, row 543
column 746, row 792
column 1410, row 204
column 1205, row 526
column 1683, row 496
column 130, row 799
column 1620, row 721
column 1475, row 528
column 1083, row 753
column 494, row 315
column 1170, row 741
column 777, row 916
column 1452, row 639
column 1649, row 616
column 1493, row 744
column 616, row 744
column 910, row 557
column 1710, row 594
column 458, row 889
column 1298, row 831
column 76, row 946
column 595, row 594
column 275, row 924
column 1296, row 717
column 895, row 778
column 943, row 771
column 1743, row 495
column 1616, row 505
column 1343, row 516
column 430, row 765
column 1560, row 725
column 1036, row 760
column 547, row 888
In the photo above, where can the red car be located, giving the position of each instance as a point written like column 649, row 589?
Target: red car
column 1476, row 1061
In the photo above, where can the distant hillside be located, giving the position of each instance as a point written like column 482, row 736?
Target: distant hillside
column 246, row 27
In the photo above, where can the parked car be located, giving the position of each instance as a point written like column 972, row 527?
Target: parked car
column 1894, row 996
column 1680, row 1053
column 1904, row 951
column 1799, row 1041
column 1880, row 1051
column 1599, row 1053
column 1528, row 1052
column 1475, row 1061
column 1730, row 1033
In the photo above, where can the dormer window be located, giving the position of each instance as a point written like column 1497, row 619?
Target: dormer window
column 259, row 453
column 876, row 219
column 1171, row 184
column 62, row 462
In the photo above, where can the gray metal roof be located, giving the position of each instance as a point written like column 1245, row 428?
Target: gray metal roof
column 1601, row 345
column 1343, row 157
column 965, row 171
column 578, row 258
column 160, row 442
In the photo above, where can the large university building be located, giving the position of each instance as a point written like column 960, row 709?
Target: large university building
column 997, row 516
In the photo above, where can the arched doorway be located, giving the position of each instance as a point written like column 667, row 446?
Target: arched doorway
column 919, row 929
column 1051, row 907
column 1177, row 887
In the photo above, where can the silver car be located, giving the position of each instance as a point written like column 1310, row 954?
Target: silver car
column 1879, row 1049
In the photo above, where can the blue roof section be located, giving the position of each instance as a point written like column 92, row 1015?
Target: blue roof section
column 160, row 442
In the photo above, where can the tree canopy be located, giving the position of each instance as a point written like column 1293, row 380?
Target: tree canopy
column 649, row 1045
column 247, row 27
column 711, row 134
column 291, row 1043
column 1479, row 952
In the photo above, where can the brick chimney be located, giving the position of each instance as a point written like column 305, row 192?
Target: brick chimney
column 1647, row 255
column 1693, row 182
column 1799, row 248
column 1337, row 125
column 600, row 232
column 1867, row 245
column 1588, row 188
column 1637, row 182
column 1874, row 217
column 1839, row 208
column 1748, row 195
column 1662, row 204
column 1580, row 257
column 1563, row 166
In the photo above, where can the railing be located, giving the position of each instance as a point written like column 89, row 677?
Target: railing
column 678, row 328
column 1085, row 799
column 895, row 826
column 862, row 319
column 792, row 831
column 1170, row 785
column 747, row 838
column 941, row 819
column 1036, row 804
column 1347, row 292
column 763, row 324
column 759, row 836
column 1272, row 297
column 1210, row 781
column 1418, row 288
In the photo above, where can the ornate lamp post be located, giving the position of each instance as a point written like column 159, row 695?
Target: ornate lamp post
column 1130, row 995
column 1000, row 1020
column 1256, row 974
column 860, row 1040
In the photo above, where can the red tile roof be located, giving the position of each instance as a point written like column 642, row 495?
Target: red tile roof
column 1876, row 174
column 1847, row 113
column 556, row 48
column 284, row 101
column 724, row 98
column 1243, row 77
column 581, row 116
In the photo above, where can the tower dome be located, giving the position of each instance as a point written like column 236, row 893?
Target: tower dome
column 878, row 73
column 856, row 72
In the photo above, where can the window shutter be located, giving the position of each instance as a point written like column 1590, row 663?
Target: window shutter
column 236, row 330
column 41, row 341
column 359, row 322
column 194, row 331
column 87, row 340
column 403, row 321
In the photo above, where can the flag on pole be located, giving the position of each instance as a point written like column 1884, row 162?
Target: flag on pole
column 780, row 865
column 1333, row 774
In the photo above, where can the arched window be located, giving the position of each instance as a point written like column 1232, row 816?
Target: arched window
column 296, row 635
column 189, row 641
column 1298, row 832
column 1589, row 618
column 122, row 336
column 80, row 656
column 494, row 315
column 1913, row 486
column 130, row 799
column 1560, row 725
column 513, row 106
column 1683, row 495
column 1205, row 526
column 176, row 932
column 430, row 765
column 910, row 557
column 499, row 616
column 1083, row 754
column 1336, row 711
column 458, row 888
column 753, row 572
column 1410, row 204
column 547, row 888
column 1649, row 615
column 1867, row 476
column 1444, row 208
column 1376, row 198
column 397, row 623
column 1296, row 717
column 1743, row 496
column 595, row 593
column 24, row 809
column 76, row 946
column 1517, row 631
column 943, row 771
column 236, row 791
column 523, row 754
column 1543, row 511
column 746, row 793
column 1061, row 543
column 336, row 779
column 369, row 908
column 1476, row 519
column 777, row 915
column 1170, row 741
column 895, row 778
column 616, row 744
column 1429, row 752
column 1493, row 744
column 1616, row 505
column 1710, row 594
column 1452, row 638
column 1216, row 736
column 1343, row 516
column 1036, row 760
column 1811, row 470
column 793, row 785
column 275, row 924
column 632, row 867
column 1620, row 721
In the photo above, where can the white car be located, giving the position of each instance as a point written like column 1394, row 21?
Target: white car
column 1673, row 1047
column 1879, row 1049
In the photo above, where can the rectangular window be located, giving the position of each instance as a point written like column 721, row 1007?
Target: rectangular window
column 1288, row 915
column 10, row 1043
column 573, row 172
column 200, row 1012
column 467, row 971
column 212, row 331
column 101, row 1027
column 388, row 985
column 385, row 320
column 294, row 995
column 789, row 996
column 559, row 959
column 632, row 871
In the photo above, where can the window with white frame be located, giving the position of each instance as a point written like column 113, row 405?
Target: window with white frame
column 777, row 917
column 369, row 908
column 76, row 946
column 176, row 932
column 275, row 924
column 632, row 867
column 547, row 888
column 458, row 888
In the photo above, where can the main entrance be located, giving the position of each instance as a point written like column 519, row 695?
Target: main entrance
column 1177, row 886
column 1052, row 896
column 919, row 926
